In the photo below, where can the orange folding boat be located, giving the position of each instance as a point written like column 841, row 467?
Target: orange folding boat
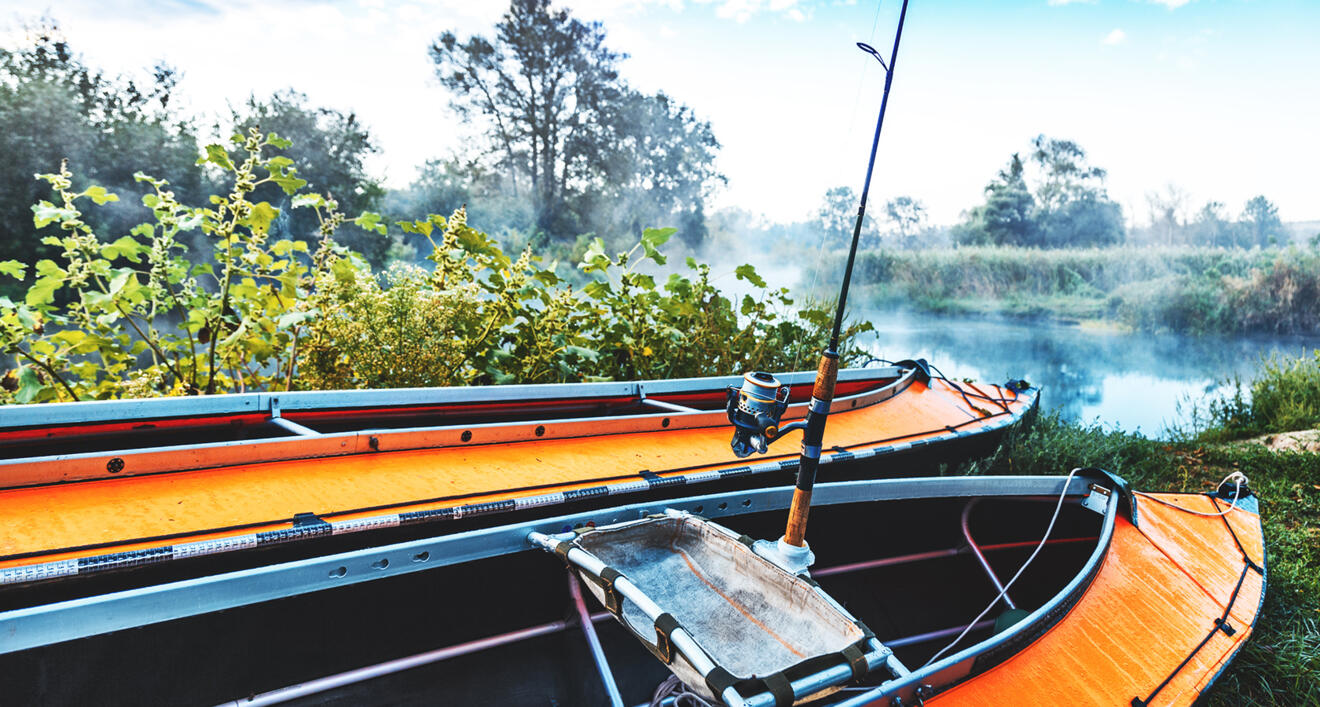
column 87, row 488
column 944, row 590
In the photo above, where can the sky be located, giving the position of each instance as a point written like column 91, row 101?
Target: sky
column 1220, row 98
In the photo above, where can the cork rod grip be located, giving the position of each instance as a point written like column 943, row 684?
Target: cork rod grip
column 796, row 532
column 826, row 375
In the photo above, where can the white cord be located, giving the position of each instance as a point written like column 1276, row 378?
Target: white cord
column 1239, row 480
column 1057, row 507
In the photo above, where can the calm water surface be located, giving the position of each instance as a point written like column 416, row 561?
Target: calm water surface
column 1137, row 382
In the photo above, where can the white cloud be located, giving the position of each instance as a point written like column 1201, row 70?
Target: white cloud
column 1118, row 36
column 744, row 10
column 1069, row 2
column 1171, row 4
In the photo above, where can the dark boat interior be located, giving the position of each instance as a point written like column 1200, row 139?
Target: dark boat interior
column 905, row 568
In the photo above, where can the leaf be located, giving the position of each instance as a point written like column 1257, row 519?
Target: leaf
column 652, row 239
column 124, row 247
column 343, row 270
column 422, row 227
column 99, row 195
column 120, row 281
column 307, row 200
column 13, row 268
column 49, row 279
column 291, row 319
column 596, row 289
column 657, row 236
column 586, row 354
column 748, row 273
column 44, row 212
column 370, row 221
column 216, row 155
column 595, row 260
column 277, row 141
column 29, row 387
column 289, row 181
column 260, row 217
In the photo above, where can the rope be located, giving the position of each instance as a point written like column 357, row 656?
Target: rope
column 681, row 694
column 1057, row 507
column 939, row 375
column 1239, row 480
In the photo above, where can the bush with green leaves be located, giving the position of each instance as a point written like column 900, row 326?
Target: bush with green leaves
column 130, row 316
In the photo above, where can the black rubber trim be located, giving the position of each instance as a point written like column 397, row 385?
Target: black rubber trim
column 779, row 686
column 664, row 627
column 613, row 600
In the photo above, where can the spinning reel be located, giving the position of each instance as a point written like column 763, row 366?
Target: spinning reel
column 755, row 409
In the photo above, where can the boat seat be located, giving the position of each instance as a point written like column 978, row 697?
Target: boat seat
column 730, row 624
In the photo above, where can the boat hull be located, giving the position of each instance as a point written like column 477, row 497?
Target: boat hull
column 107, row 511
column 1122, row 590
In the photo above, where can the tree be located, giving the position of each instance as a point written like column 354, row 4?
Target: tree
column 907, row 215
column 1074, row 207
column 54, row 107
column 837, row 216
column 659, row 166
column 331, row 149
column 1212, row 227
column 1008, row 216
column 1167, row 220
column 566, row 132
column 1260, row 219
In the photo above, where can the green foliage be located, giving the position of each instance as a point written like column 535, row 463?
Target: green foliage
column 1283, row 396
column 1281, row 662
column 1008, row 216
column 1181, row 289
column 1068, row 206
column 837, row 216
column 131, row 317
column 482, row 317
column 331, row 148
column 54, row 106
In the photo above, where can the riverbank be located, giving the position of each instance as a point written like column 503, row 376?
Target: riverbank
column 1191, row 290
column 1281, row 662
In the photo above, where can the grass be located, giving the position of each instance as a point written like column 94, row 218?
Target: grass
column 1280, row 664
column 1284, row 396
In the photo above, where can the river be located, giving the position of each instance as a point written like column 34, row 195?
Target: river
column 1136, row 382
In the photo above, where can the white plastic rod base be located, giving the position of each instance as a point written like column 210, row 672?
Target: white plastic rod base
column 793, row 559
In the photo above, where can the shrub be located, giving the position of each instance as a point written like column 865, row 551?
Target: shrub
column 132, row 317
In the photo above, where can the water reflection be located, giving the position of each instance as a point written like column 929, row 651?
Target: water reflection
column 1132, row 381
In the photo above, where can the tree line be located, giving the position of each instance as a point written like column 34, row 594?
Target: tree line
column 1055, row 198
column 566, row 146
column 565, row 150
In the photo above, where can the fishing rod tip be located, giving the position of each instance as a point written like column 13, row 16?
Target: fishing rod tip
column 871, row 50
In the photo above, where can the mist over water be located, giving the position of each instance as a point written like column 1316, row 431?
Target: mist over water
column 1135, row 382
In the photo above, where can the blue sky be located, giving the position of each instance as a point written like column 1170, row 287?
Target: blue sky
column 1220, row 98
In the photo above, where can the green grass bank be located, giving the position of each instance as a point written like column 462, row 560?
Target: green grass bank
column 1193, row 290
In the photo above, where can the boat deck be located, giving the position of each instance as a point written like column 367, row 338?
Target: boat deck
column 228, row 506
column 1153, row 603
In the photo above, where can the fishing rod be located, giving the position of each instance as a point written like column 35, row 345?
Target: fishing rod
column 756, row 407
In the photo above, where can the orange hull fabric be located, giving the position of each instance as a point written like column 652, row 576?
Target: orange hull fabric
column 1155, row 599
column 111, row 512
